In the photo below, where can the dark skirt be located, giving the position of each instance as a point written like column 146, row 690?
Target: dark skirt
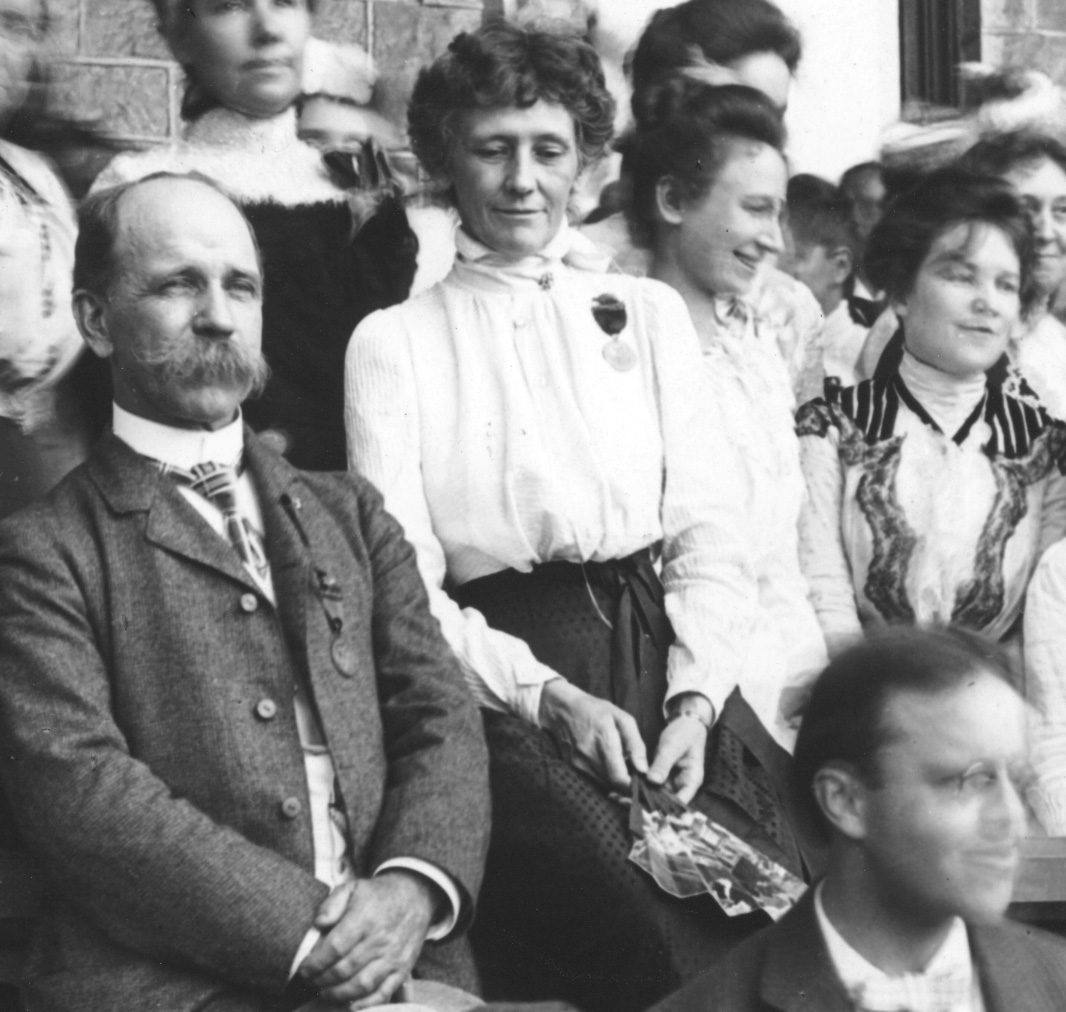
column 563, row 913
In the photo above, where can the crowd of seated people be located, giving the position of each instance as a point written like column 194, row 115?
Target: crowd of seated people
column 428, row 523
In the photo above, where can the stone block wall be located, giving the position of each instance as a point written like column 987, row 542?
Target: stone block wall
column 113, row 66
column 1025, row 33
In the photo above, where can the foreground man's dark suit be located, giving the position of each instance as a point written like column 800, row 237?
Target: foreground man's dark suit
column 786, row 968
column 148, row 739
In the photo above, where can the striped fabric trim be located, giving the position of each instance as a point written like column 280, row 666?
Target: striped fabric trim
column 873, row 406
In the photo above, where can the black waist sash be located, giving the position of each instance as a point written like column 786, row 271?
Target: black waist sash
column 562, row 610
column 601, row 625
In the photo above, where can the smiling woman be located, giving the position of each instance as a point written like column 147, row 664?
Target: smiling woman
column 539, row 427
column 707, row 196
column 327, row 264
column 747, row 43
column 933, row 491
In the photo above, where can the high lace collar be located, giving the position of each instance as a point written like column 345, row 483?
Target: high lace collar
column 948, row 399
column 476, row 261
column 224, row 128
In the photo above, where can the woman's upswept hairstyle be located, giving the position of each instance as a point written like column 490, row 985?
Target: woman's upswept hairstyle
column 944, row 198
column 722, row 30
column 688, row 137
column 502, row 65
column 1001, row 153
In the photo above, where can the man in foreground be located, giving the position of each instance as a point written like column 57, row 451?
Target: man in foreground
column 230, row 728
column 913, row 749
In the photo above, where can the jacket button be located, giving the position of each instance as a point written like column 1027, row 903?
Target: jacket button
column 291, row 808
column 249, row 603
column 266, row 709
column 343, row 658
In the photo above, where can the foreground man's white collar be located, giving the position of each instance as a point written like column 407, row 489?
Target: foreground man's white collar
column 184, row 448
column 855, row 970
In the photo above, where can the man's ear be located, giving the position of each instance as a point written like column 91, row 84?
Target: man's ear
column 841, row 795
column 841, row 264
column 92, row 322
column 668, row 200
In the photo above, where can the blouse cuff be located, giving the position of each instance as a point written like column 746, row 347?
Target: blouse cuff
column 711, row 688
column 527, row 699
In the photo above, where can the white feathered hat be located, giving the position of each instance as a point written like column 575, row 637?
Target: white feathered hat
column 340, row 70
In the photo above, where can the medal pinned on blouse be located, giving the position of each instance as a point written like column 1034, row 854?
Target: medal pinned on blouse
column 610, row 313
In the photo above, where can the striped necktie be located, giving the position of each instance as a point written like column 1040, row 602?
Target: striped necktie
column 217, row 483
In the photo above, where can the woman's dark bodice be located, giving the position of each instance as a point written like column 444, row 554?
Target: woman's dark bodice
column 319, row 283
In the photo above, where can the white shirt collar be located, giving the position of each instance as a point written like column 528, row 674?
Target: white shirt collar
column 184, row 448
column 855, row 970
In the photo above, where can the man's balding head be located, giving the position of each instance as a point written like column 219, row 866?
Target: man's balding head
column 96, row 250
column 168, row 286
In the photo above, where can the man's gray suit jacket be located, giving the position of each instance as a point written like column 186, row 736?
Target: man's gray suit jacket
column 148, row 743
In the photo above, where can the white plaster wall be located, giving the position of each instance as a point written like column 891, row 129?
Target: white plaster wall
column 847, row 89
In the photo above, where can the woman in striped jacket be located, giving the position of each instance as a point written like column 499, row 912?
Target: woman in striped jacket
column 932, row 490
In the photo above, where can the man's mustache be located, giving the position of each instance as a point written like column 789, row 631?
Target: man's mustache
column 210, row 361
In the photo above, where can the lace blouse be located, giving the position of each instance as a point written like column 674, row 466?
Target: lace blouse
column 749, row 382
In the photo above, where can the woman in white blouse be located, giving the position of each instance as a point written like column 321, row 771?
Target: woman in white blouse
column 708, row 178
column 541, row 430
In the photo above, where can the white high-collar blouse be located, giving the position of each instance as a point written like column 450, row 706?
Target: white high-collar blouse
column 750, row 382
column 501, row 436
column 255, row 160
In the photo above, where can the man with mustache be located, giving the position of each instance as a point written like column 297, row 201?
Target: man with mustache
column 912, row 756
column 230, row 728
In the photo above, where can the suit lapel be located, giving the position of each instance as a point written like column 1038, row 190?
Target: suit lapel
column 279, row 489
column 1011, row 976
column 131, row 483
column 797, row 973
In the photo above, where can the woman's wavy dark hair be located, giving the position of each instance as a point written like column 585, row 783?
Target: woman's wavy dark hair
column 939, row 201
column 724, row 30
column 688, row 137
column 1001, row 153
column 502, row 65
